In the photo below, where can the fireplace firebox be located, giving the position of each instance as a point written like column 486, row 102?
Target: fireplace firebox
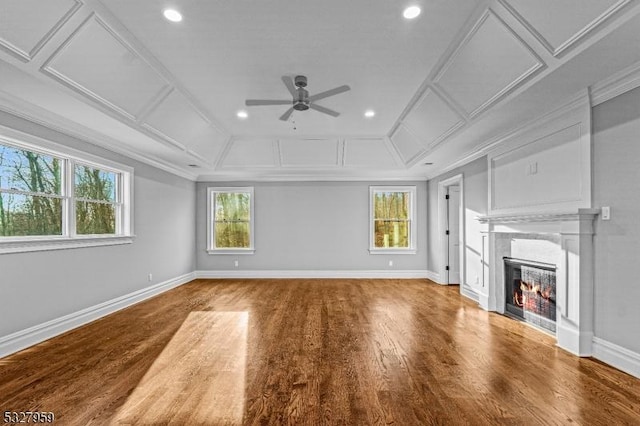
column 530, row 290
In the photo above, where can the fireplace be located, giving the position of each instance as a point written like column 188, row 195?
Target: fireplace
column 530, row 292
column 568, row 246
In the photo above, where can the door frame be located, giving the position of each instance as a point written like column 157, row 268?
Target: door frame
column 442, row 228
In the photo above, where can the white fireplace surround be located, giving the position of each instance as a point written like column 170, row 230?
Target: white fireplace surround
column 572, row 235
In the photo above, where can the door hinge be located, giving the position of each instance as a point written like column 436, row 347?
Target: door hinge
column 446, row 197
column 446, row 232
column 446, row 267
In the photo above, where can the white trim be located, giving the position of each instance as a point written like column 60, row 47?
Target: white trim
column 523, row 78
column 413, row 219
column 28, row 56
column 617, row 84
column 435, row 277
column 62, row 243
column 33, row 335
column 442, row 226
column 306, row 175
column 239, row 251
column 398, row 274
column 469, row 292
column 570, row 43
column 375, row 251
column 210, row 220
column 617, row 356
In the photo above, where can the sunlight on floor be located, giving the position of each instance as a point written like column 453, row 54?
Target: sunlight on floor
column 199, row 377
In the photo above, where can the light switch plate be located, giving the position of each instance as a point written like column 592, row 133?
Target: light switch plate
column 606, row 213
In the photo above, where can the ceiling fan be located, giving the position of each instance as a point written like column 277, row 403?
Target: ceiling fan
column 301, row 99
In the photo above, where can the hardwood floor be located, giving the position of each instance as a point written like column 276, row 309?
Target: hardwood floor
column 313, row 352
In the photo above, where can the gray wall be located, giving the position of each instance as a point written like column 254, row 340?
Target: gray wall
column 475, row 180
column 320, row 226
column 616, row 183
column 40, row 286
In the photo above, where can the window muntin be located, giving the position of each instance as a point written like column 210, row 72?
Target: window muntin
column 53, row 198
column 392, row 219
column 230, row 213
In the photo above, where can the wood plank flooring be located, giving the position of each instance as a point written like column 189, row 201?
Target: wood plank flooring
column 313, row 352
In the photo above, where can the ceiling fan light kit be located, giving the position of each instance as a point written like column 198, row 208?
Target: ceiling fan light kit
column 301, row 100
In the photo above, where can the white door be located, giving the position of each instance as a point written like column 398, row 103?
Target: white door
column 453, row 221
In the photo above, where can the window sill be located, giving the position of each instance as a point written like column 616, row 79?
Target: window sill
column 61, row 243
column 231, row 251
column 393, row 251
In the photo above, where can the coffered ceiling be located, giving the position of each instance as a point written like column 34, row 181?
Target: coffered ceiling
column 443, row 85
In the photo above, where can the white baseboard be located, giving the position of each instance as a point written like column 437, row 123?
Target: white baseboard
column 313, row 274
column 31, row 336
column 617, row 356
column 435, row 277
column 469, row 292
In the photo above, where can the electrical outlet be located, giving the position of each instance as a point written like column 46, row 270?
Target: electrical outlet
column 391, row 263
column 236, row 263
column 150, row 277
column 606, row 213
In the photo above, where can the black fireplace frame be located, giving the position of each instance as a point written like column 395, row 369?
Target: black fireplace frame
column 546, row 324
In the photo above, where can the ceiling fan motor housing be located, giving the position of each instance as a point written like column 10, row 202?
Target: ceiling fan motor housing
column 300, row 81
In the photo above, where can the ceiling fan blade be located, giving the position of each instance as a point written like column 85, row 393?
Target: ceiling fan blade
column 328, row 93
column 258, row 102
column 324, row 110
column 288, row 81
column 287, row 114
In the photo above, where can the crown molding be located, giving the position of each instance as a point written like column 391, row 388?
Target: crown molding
column 317, row 176
column 617, row 84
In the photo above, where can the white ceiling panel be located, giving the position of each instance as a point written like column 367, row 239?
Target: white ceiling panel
column 407, row 144
column 208, row 144
column 560, row 24
column 251, row 153
column 490, row 63
column 176, row 119
column 309, row 152
column 368, row 153
column 26, row 25
column 100, row 65
column 431, row 119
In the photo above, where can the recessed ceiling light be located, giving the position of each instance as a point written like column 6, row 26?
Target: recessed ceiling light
column 172, row 15
column 411, row 12
column 242, row 114
column 369, row 113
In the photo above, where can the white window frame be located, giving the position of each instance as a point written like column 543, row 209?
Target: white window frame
column 69, row 157
column 413, row 233
column 211, row 249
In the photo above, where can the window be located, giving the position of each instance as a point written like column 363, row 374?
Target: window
column 97, row 207
column 54, row 198
column 230, row 220
column 392, row 219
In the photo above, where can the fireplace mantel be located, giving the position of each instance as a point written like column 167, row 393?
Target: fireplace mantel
column 574, row 231
column 540, row 217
